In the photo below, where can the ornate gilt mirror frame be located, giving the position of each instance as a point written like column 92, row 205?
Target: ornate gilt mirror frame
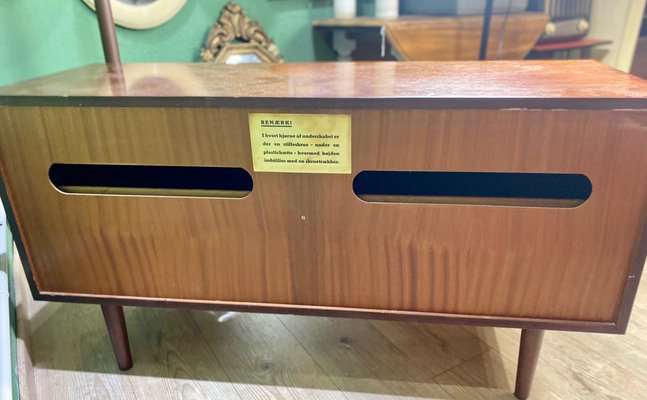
column 235, row 38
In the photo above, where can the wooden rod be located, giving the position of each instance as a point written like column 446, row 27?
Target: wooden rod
column 528, row 356
column 116, row 324
column 110, row 47
column 485, row 34
column 108, row 33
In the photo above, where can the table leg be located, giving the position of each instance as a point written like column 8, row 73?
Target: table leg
column 116, row 323
column 528, row 356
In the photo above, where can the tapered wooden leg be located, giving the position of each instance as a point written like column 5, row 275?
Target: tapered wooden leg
column 116, row 323
column 528, row 356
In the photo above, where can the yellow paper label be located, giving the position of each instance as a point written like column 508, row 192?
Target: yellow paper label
column 305, row 143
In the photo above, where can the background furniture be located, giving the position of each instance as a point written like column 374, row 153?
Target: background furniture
column 432, row 38
column 639, row 65
column 580, row 48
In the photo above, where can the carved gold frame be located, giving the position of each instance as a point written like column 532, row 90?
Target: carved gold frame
column 236, row 33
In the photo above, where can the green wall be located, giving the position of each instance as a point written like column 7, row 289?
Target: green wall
column 40, row 37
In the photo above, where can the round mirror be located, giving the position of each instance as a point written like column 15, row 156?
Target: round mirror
column 142, row 14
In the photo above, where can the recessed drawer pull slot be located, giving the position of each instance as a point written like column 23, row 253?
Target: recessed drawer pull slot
column 473, row 188
column 151, row 180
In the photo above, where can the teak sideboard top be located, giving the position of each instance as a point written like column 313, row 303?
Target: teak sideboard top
column 305, row 242
column 445, row 85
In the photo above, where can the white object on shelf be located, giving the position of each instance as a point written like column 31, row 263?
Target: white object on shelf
column 345, row 9
column 387, row 8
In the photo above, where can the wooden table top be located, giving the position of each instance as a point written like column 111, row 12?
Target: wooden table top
column 448, row 38
column 374, row 84
column 570, row 45
column 373, row 22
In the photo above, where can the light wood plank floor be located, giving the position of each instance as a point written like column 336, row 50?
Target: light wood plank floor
column 66, row 354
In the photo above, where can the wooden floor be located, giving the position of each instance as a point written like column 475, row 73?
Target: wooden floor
column 65, row 354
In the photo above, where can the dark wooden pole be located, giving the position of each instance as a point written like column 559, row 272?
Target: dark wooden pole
column 528, row 356
column 108, row 33
column 113, row 314
column 116, row 323
column 485, row 34
column 110, row 47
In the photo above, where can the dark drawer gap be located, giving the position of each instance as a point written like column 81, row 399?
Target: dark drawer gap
column 473, row 188
column 151, row 180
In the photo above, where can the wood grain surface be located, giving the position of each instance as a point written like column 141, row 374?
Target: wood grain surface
column 401, row 84
column 417, row 38
column 459, row 38
column 306, row 240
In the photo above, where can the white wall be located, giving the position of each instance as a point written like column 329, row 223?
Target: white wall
column 618, row 20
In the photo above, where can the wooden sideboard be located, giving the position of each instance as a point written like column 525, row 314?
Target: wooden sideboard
column 425, row 38
column 506, row 194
